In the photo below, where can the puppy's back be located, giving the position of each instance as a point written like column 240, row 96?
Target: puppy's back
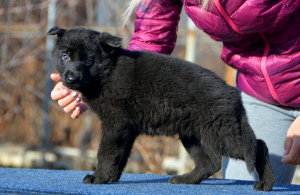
column 178, row 78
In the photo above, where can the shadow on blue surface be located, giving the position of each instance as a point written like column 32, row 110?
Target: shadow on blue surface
column 214, row 182
column 37, row 181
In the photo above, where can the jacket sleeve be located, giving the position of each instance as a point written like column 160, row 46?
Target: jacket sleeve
column 156, row 26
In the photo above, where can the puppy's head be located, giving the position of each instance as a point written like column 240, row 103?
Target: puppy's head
column 83, row 56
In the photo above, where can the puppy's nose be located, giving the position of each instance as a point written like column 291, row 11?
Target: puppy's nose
column 72, row 78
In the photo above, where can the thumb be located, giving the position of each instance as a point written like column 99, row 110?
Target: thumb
column 287, row 145
column 288, row 140
column 55, row 77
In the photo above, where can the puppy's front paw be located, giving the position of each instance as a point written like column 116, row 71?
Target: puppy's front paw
column 91, row 179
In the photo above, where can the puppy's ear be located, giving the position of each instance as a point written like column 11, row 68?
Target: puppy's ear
column 56, row 31
column 110, row 40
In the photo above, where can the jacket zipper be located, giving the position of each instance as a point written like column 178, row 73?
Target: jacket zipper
column 264, row 70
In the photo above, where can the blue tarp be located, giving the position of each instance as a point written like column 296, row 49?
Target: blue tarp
column 39, row 181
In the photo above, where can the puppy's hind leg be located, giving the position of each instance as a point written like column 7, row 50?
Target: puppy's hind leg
column 205, row 165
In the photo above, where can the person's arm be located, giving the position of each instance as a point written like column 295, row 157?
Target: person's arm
column 292, row 144
column 156, row 26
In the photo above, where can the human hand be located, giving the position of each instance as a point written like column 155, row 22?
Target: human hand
column 68, row 99
column 292, row 144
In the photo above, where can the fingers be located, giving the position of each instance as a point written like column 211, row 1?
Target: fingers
column 293, row 156
column 79, row 110
column 59, row 94
column 59, row 91
column 55, row 77
column 292, row 144
column 76, row 113
column 68, row 99
column 70, row 103
column 288, row 142
column 72, row 106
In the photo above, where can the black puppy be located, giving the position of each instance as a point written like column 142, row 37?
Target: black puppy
column 136, row 93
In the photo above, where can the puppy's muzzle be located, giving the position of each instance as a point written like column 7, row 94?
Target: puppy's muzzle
column 71, row 77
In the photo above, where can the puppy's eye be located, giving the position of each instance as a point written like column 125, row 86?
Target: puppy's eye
column 89, row 61
column 65, row 58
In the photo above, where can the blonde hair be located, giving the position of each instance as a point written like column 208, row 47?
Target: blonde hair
column 205, row 4
column 134, row 3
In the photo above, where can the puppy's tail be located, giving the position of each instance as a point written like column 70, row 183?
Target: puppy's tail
column 250, row 144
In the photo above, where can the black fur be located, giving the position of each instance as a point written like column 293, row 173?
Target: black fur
column 136, row 93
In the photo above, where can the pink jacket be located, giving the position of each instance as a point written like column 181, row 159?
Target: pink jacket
column 261, row 39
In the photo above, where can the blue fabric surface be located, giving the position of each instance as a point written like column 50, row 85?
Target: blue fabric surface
column 37, row 181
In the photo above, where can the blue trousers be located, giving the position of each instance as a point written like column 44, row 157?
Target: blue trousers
column 270, row 123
